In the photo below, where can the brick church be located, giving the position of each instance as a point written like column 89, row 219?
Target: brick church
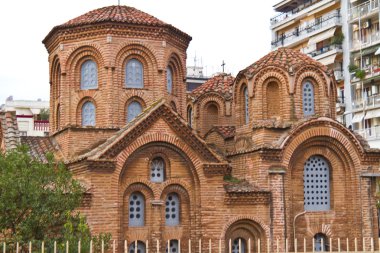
column 256, row 156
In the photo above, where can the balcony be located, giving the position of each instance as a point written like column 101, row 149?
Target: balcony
column 363, row 10
column 370, row 72
column 372, row 133
column 302, row 8
column 367, row 41
column 306, row 31
column 325, row 50
column 368, row 103
column 339, row 74
column 41, row 125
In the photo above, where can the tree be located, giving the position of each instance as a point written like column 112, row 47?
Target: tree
column 37, row 200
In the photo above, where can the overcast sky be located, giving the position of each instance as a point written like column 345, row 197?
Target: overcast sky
column 234, row 31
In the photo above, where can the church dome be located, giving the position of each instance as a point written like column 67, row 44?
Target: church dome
column 221, row 84
column 284, row 58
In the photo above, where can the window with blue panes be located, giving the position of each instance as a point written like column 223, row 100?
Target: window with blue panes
column 169, row 80
column 136, row 210
column 89, row 75
column 157, row 170
column 172, row 210
column 308, row 98
column 246, row 105
column 134, row 109
column 235, row 245
column 141, row 248
column 316, row 181
column 134, row 74
column 321, row 243
column 88, row 114
column 173, row 247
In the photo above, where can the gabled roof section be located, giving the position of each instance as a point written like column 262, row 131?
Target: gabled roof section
column 115, row 144
column 9, row 130
column 224, row 131
column 284, row 58
column 40, row 146
column 120, row 14
column 221, row 84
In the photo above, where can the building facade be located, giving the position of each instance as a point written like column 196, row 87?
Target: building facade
column 257, row 156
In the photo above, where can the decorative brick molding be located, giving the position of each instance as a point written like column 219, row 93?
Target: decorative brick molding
column 247, row 198
column 211, row 170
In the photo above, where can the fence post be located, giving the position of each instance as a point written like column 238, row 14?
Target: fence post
column 79, row 246
column 322, row 245
column 295, row 245
column 249, row 246
column 4, row 247
column 114, row 246
column 91, row 249
column 268, row 245
column 363, row 249
column 372, row 248
column 102, row 246
column 67, row 246
column 239, row 245
column 17, row 247
column 179, row 246
column 200, row 245
column 30, row 247
column 277, row 245
column 229, row 246
column 189, row 245
column 220, row 246
column 147, row 246
column 286, row 245
column 347, row 245
column 258, row 245
column 330, row 244
column 338, row 244
column 209, row 245
column 313, row 244
column 168, row 245
column 158, row 246
column 304, row 244
column 125, row 246
column 55, row 247
column 356, row 244
column 136, row 245
column 43, row 247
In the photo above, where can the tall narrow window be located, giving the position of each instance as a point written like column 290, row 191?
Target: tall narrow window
column 134, row 109
column 246, row 105
column 321, row 243
column 136, row 210
column 140, row 247
column 172, row 210
column 58, row 117
column 235, row 245
column 89, row 75
column 169, row 80
column 134, row 74
column 316, row 178
column 273, row 100
column 173, row 247
column 88, row 114
column 157, row 170
column 308, row 99
column 190, row 116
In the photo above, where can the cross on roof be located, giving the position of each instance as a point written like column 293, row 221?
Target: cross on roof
column 223, row 64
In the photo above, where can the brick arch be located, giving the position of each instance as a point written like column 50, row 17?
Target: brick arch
column 160, row 153
column 139, row 183
column 140, row 186
column 252, row 219
column 173, row 55
column 127, row 102
column 326, row 128
column 135, row 44
column 157, row 139
column 80, row 51
column 175, row 63
column 239, row 102
column 313, row 73
column 141, row 52
column 267, row 100
column 210, row 97
column 271, row 72
column 177, row 186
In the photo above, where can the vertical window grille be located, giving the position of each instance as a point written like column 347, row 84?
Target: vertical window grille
column 173, row 246
column 316, row 179
column 88, row 114
column 308, row 99
column 172, row 210
column 136, row 210
column 235, row 245
column 157, row 170
column 169, row 80
column 140, row 247
column 246, row 105
column 190, row 116
column 134, row 74
column 89, row 75
column 134, row 109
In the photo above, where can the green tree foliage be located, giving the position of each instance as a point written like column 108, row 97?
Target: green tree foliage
column 37, row 201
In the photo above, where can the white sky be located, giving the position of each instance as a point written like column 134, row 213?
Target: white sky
column 234, row 31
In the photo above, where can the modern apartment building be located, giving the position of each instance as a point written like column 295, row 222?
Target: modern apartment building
column 343, row 35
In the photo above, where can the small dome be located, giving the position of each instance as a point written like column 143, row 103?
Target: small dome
column 221, row 83
column 284, row 58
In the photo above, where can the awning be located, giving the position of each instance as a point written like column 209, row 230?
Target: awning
column 328, row 60
column 358, row 117
column 377, row 51
column 35, row 110
column 369, row 50
column 23, row 111
column 322, row 36
column 372, row 114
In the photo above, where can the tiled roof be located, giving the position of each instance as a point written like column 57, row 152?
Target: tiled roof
column 221, row 84
column 284, row 58
column 225, row 131
column 9, row 130
column 116, row 14
column 39, row 146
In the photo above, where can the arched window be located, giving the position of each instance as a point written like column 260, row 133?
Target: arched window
column 273, row 100
column 134, row 74
column 235, row 245
column 321, row 243
column 308, row 98
column 140, row 247
column 172, row 210
column 173, row 247
column 157, row 170
column 316, row 178
column 169, row 80
column 210, row 116
column 134, row 109
column 58, row 117
column 136, row 210
column 246, row 105
column 89, row 75
column 88, row 114
column 190, row 116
